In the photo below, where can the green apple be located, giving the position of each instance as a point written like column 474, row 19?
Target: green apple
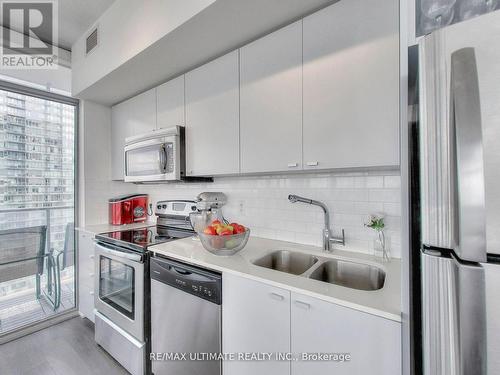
column 231, row 244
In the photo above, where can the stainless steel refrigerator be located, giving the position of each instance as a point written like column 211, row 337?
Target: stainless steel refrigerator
column 459, row 132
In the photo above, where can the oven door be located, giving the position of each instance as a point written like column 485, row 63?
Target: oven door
column 152, row 160
column 119, row 285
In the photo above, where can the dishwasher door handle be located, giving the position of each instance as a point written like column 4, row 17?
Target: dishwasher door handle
column 163, row 266
column 181, row 271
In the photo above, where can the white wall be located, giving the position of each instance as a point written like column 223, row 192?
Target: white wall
column 125, row 29
column 95, row 184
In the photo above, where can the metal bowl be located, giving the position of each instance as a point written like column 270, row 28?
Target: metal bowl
column 224, row 245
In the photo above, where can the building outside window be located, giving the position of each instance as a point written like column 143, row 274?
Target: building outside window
column 37, row 190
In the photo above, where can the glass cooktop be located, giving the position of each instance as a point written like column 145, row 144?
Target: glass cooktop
column 141, row 238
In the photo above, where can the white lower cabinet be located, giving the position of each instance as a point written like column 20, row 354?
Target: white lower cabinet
column 255, row 319
column 86, row 270
column 317, row 326
column 260, row 318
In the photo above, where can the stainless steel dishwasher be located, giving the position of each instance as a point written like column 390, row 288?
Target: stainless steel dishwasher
column 185, row 318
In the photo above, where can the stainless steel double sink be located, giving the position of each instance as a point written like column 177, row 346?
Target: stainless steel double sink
column 333, row 271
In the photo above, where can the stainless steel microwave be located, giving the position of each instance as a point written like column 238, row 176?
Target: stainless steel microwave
column 155, row 156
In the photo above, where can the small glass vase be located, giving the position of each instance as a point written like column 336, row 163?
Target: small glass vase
column 381, row 247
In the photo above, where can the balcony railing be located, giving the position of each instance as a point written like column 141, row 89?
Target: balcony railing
column 54, row 227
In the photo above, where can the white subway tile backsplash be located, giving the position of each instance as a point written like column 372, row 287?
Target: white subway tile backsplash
column 392, row 182
column 384, row 195
column 375, row 182
column 344, row 182
column 367, row 208
column 359, row 182
column 261, row 202
column 393, row 209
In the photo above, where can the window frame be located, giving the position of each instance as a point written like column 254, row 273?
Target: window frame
column 47, row 95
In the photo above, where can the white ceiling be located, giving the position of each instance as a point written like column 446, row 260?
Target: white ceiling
column 75, row 17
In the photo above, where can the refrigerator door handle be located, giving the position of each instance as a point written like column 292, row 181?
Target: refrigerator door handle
column 467, row 152
column 454, row 316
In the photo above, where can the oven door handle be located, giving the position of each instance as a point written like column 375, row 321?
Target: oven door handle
column 117, row 253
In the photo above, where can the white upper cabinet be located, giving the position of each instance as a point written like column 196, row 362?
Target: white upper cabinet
column 141, row 112
column 351, row 85
column 271, row 102
column 170, row 103
column 255, row 319
column 321, row 93
column 374, row 343
column 131, row 117
column 212, row 118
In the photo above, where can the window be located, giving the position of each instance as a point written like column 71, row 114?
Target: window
column 37, row 193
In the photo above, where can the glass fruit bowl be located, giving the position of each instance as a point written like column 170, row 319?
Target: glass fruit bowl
column 200, row 220
column 224, row 245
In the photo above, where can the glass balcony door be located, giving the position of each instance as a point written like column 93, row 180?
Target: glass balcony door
column 37, row 206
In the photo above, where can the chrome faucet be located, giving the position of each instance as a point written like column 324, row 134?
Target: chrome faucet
column 328, row 240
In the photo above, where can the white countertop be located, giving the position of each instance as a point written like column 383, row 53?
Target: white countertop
column 103, row 228
column 385, row 302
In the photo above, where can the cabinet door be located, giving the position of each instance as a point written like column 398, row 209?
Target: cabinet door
column 212, row 118
column 322, row 327
column 271, row 102
column 255, row 319
column 132, row 117
column 170, row 103
column 351, row 85
column 120, row 129
column 86, row 269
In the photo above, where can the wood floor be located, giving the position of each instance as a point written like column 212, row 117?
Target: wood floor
column 67, row 348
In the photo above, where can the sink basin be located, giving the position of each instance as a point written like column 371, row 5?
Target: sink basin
column 350, row 274
column 287, row 261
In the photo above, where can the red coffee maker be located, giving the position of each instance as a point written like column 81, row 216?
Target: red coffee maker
column 128, row 209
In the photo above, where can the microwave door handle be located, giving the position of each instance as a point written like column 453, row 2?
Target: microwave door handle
column 163, row 158
column 467, row 152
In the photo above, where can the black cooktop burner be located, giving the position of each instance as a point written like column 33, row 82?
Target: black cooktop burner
column 141, row 238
